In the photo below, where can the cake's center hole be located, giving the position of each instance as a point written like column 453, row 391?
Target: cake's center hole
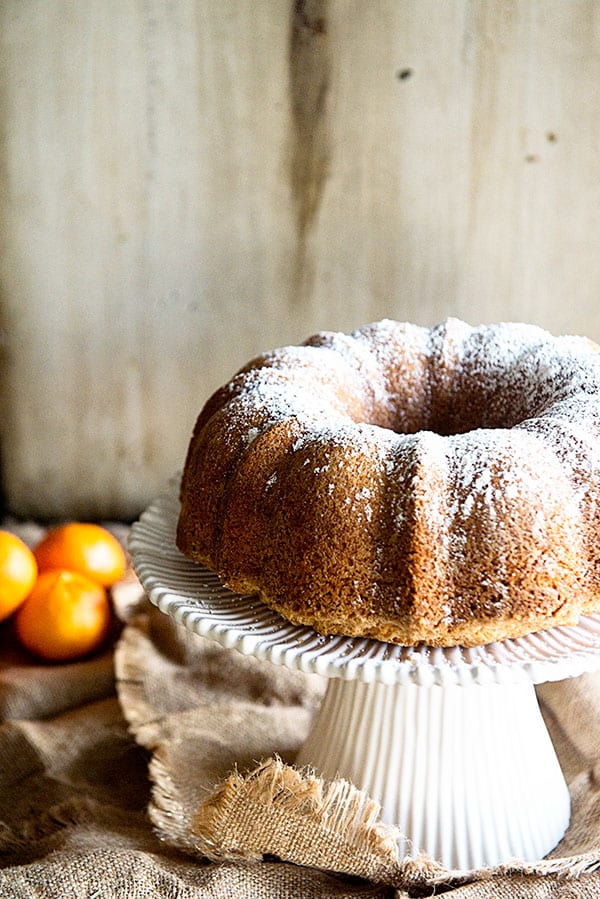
column 458, row 414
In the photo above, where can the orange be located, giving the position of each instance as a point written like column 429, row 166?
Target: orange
column 87, row 548
column 18, row 571
column 66, row 615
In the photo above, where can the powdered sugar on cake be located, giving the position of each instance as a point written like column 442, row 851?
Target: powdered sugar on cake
column 461, row 461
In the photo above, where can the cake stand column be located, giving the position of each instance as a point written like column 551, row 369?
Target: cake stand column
column 468, row 774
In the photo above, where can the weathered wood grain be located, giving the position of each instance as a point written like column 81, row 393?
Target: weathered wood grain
column 185, row 184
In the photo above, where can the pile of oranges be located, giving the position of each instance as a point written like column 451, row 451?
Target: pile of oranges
column 57, row 592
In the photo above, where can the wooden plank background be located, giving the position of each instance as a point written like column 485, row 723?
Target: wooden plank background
column 185, row 184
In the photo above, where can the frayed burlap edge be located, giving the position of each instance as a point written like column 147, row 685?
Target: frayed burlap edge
column 166, row 809
column 294, row 815
column 279, row 810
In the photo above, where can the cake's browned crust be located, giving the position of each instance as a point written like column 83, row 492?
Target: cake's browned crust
column 407, row 484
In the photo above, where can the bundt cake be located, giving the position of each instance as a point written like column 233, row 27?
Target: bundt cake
column 408, row 484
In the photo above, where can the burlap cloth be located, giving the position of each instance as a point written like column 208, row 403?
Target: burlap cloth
column 163, row 767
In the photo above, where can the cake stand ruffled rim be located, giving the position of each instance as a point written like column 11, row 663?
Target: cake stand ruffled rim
column 193, row 596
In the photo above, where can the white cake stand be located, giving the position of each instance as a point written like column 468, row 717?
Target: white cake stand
column 450, row 742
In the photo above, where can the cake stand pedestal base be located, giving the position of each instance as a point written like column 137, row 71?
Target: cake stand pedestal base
column 468, row 774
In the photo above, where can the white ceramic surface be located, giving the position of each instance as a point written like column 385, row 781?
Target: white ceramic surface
column 469, row 775
column 451, row 742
